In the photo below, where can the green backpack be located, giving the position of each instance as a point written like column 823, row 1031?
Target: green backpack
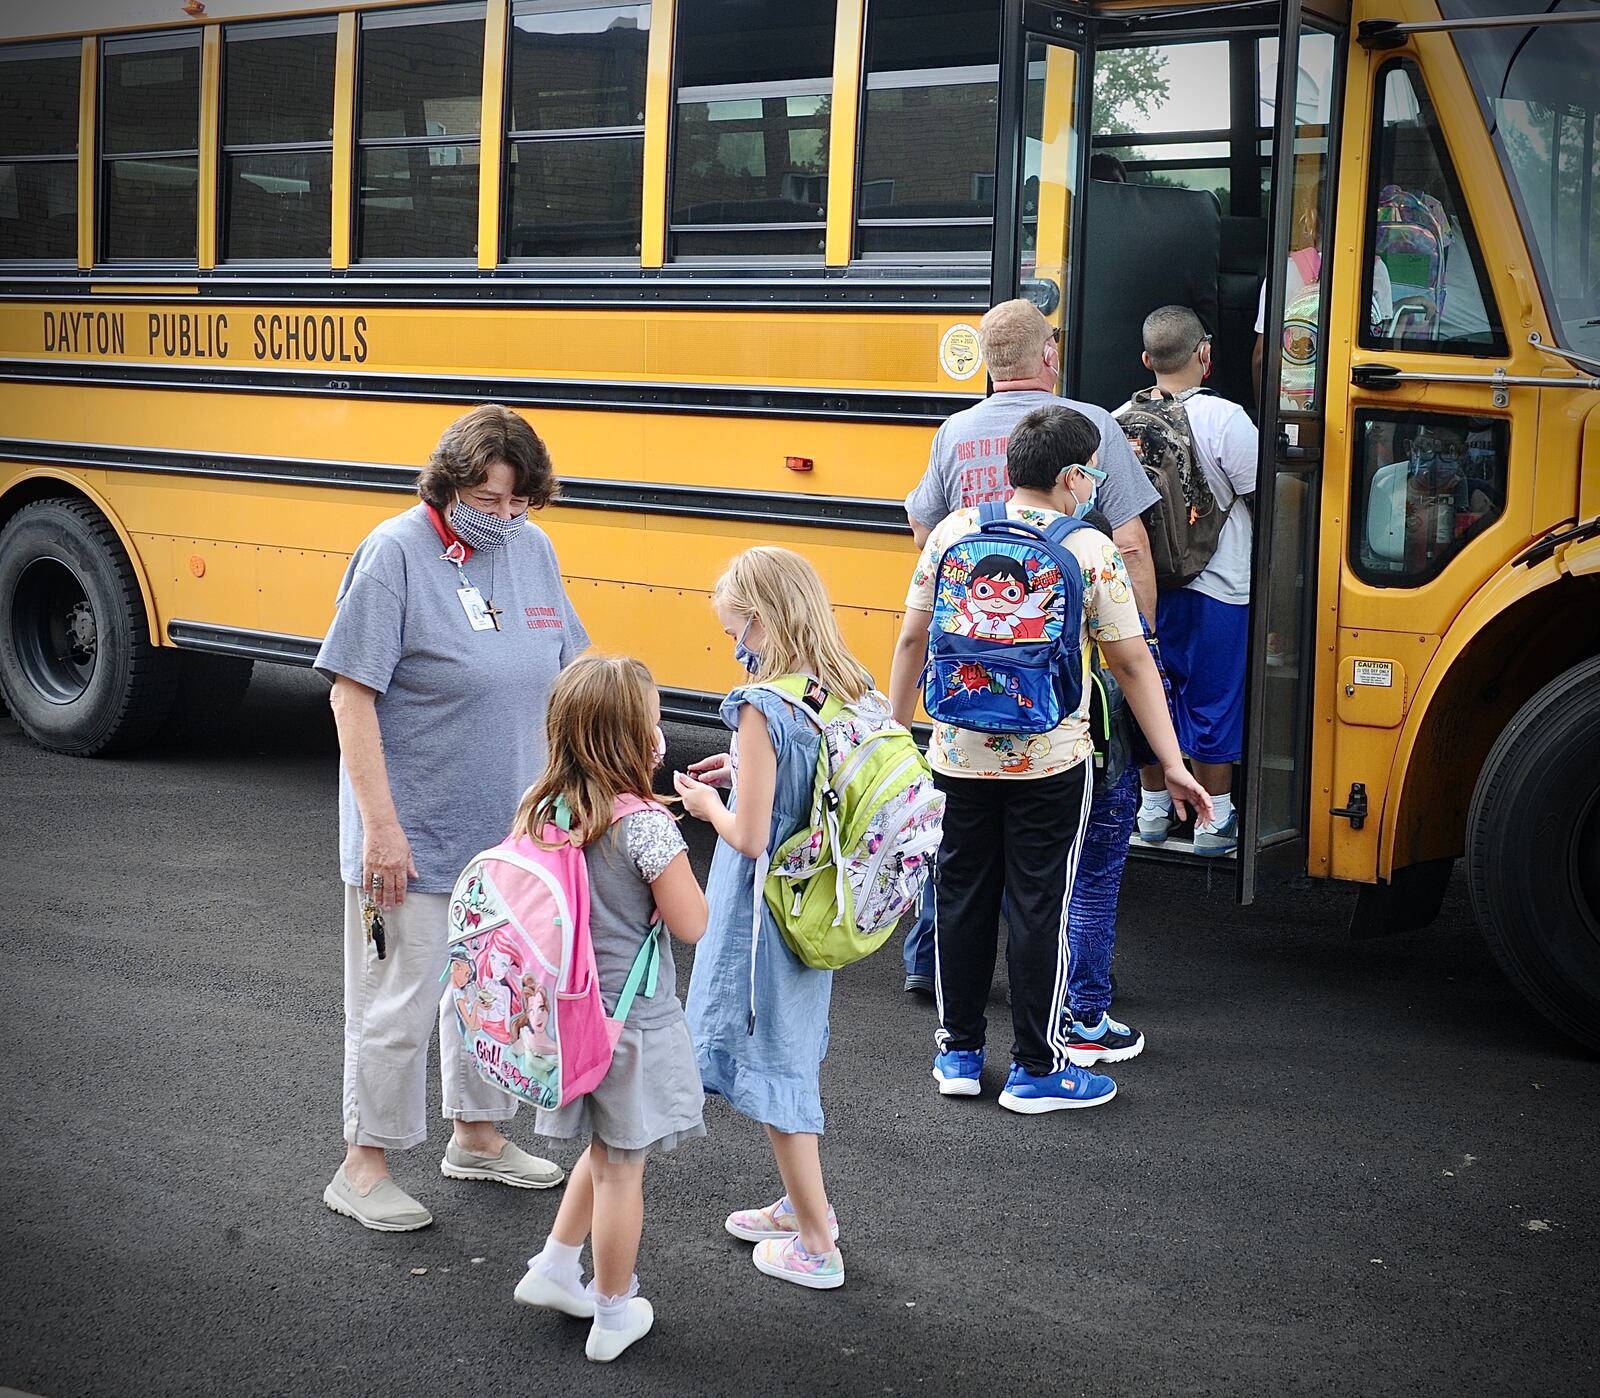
column 841, row 883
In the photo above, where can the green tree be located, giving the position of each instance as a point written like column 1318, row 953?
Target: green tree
column 1128, row 87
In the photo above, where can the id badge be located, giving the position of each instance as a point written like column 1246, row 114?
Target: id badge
column 477, row 614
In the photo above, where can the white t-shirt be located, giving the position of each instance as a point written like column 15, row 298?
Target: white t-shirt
column 1295, row 283
column 1227, row 443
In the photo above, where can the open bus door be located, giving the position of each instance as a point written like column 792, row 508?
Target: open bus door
column 1275, row 790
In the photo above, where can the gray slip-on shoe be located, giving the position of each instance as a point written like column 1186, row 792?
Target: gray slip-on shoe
column 385, row 1207
column 513, row 1166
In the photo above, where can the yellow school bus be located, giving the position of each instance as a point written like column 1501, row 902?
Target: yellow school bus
column 728, row 256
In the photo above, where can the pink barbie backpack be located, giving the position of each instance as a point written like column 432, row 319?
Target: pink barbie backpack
column 521, row 975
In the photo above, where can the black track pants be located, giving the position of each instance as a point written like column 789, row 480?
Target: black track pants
column 1021, row 839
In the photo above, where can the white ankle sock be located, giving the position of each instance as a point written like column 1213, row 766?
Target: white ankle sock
column 1155, row 802
column 1221, row 809
column 559, row 1261
column 611, row 1312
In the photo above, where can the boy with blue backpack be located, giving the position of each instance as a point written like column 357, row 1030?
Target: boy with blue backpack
column 1002, row 605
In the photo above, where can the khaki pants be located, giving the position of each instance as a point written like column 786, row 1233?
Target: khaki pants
column 390, row 1009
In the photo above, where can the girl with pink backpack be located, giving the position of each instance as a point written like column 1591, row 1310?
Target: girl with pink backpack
column 604, row 743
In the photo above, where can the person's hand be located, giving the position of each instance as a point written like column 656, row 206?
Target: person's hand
column 1187, row 794
column 385, row 864
column 699, row 799
column 716, row 770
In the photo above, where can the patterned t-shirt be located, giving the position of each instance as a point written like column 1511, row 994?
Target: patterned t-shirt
column 1109, row 614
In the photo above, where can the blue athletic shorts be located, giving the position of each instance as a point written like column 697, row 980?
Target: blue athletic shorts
column 1203, row 645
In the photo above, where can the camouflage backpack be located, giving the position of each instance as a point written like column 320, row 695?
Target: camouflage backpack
column 1186, row 522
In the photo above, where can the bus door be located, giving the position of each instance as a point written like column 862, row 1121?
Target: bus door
column 1307, row 77
column 1043, row 77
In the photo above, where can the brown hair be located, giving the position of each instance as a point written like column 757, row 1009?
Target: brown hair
column 473, row 443
column 602, row 743
column 802, row 637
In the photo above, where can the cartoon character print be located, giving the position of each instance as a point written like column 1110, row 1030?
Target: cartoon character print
column 463, row 991
column 1018, row 754
column 1002, row 604
column 467, row 912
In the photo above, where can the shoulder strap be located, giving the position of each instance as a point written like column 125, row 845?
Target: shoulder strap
column 990, row 511
column 628, row 804
column 1058, row 529
column 645, row 971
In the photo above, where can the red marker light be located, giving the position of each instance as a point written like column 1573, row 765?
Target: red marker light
column 799, row 463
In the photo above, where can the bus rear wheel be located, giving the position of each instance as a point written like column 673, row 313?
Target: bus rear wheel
column 78, row 668
column 1533, row 851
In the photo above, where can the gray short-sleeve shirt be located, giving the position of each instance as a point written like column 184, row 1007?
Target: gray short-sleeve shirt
column 461, row 711
column 967, row 464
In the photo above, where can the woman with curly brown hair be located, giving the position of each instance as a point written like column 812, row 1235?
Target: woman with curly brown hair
column 451, row 619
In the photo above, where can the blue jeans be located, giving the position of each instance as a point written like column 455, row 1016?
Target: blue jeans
column 1092, row 915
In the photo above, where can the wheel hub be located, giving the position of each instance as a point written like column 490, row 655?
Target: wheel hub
column 54, row 633
column 81, row 631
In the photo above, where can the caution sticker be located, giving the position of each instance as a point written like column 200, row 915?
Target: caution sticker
column 1377, row 673
column 958, row 351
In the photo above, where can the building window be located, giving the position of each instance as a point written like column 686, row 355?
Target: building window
column 750, row 166
column 150, row 147
column 277, row 140
column 929, row 128
column 1425, row 485
column 39, row 151
column 576, row 141
column 419, row 118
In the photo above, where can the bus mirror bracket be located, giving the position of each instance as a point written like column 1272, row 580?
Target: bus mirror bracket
column 1579, row 361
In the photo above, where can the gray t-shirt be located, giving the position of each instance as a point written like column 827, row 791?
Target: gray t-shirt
column 622, row 865
column 967, row 465
column 461, row 711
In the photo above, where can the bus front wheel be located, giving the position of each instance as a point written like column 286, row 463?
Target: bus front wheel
column 1533, row 851
column 78, row 668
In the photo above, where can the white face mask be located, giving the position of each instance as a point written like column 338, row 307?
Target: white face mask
column 661, row 746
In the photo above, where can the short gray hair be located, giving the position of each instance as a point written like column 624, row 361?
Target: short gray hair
column 1171, row 335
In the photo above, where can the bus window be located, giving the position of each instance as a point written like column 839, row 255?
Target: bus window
column 150, row 147
column 928, row 128
column 1542, row 101
column 277, row 139
column 1165, row 112
column 38, row 151
column 576, row 112
column 750, row 167
column 1425, row 484
column 420, row 115
column 1425, row 281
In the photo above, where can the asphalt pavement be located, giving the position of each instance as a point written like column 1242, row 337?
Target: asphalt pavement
column 1339, row 1167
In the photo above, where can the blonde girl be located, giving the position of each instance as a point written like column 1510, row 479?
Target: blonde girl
column 605, row 742
column 758, row 1014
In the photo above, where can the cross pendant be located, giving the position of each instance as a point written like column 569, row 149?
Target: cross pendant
column 493, row 613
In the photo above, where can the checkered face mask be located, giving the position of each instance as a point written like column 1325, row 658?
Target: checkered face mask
column 482, row 531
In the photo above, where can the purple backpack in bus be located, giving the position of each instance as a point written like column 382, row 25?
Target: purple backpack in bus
column 1412, row 240
column 522, row 970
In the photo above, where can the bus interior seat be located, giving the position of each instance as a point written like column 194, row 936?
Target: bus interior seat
column 1144, row 246
column 1244, row 255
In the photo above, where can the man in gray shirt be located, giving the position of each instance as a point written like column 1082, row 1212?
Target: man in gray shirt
column 967, row 464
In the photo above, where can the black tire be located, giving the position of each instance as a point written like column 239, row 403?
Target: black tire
column 1533, row 852
column 209, row 689
column 77, row 666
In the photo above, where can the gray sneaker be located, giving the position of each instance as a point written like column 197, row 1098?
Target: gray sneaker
column 1154, row 829
column 385, row 1207
column 1223, row 840
column 513, row 1166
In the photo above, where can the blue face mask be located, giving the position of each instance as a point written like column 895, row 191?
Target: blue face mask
column 482, row 531
column 1082, row 507
column 751, row 660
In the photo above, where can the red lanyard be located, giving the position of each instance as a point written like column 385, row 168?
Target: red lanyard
column 454, row 550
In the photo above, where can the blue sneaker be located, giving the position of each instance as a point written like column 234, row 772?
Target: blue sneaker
column 959, row 1072
column 1031, row 1093
column 1223, row 840
column 1105, row 1041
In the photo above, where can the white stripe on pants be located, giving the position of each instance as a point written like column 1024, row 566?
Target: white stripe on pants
column 390, row 1010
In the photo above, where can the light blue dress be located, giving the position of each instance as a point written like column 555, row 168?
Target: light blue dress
column 768, row 1073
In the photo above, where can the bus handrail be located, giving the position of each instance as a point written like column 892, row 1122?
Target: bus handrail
column 1391, row 34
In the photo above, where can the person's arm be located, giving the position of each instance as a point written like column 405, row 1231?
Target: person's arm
column 680, row 900
column 385, row 851
column 749, row 827
column 1133, row 543
column 910, row 655
column 1130, row 664
column 919, row 530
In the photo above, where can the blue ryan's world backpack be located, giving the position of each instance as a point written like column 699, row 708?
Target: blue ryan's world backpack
column 1003, row 649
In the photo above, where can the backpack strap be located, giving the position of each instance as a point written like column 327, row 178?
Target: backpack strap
column 1058, row 529
column 644, row 974
column 990, row 511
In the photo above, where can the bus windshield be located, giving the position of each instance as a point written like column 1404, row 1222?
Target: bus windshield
column 1542, row 101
